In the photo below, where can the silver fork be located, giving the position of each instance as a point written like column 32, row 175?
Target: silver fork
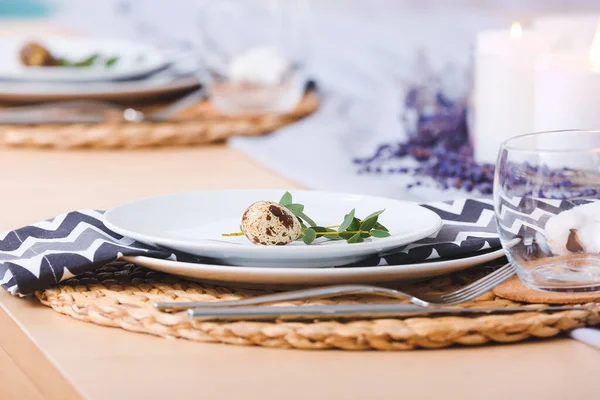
column 462, row 295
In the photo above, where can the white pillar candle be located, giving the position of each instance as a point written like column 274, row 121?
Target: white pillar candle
column 567, row 32
column 503, row 88
column 567, row 90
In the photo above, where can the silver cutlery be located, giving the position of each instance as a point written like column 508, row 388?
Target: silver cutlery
column 92, row 111
column 462, row 295
column 360, row 311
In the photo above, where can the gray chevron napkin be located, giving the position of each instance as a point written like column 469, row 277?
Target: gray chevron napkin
column 45, row 253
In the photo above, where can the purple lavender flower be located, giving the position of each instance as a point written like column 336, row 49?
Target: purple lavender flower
column 438, row 141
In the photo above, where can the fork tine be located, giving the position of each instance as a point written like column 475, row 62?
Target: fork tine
column 476, row 293
column 500, row 271
column 479, row 289
column 484, row 283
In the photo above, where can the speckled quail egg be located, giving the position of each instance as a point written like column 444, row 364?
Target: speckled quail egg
column 269, row 223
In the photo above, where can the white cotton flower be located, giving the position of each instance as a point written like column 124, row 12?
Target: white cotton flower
column 575, row 230
column 260, row 65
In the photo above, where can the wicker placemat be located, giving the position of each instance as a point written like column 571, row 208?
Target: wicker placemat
column 197, row 125
column 121, row 295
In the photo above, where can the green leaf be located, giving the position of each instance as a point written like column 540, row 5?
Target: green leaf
column 63, row 62
column 295, row 208
column 379, row 233
column 345, row 235
column 355, row 239
column 368, row 223
column 380, row 227
column 375, row 214
column 306, row 218
column 86, row 62
column 111, row 61
column 348, row 218
column 286, row 199
column 355, row 225
column 309, row 235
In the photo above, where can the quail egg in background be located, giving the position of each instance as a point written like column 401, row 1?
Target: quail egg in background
column 269, row 223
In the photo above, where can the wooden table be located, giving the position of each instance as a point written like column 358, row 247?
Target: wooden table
column 45, row 355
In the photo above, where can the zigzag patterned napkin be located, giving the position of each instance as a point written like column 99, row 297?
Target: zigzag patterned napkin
column 43, row 254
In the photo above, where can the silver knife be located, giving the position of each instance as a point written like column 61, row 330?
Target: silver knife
column 357, row 311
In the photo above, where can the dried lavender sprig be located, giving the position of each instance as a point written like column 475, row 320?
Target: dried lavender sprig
column 439, row 142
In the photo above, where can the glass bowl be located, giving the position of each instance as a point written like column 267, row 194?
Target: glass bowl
column 253, row 53
column 546, row 192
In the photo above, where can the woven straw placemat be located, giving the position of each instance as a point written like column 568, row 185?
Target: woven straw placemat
column 199, row 124
column 121, row 295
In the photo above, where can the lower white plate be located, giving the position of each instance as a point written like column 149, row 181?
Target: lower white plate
column 275, row 277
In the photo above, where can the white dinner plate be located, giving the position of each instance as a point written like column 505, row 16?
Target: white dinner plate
column 193, row 222
column 134, row 60
column 274, row 277
column 156, row 86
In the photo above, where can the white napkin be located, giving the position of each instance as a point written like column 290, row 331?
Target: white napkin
column 589, row 336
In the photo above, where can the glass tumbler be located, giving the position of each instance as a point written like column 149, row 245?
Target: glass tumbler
column 253, row 53
column 546, row 192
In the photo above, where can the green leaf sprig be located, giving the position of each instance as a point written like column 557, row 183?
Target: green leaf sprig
column 93, row 59
column 352, row 229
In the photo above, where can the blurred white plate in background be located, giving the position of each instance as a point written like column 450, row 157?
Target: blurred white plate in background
column 133, row 60
column 160, row 84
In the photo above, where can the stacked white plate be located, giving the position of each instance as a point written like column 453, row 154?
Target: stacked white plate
column 140, row 71
column 194, row 222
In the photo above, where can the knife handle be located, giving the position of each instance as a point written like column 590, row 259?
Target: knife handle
column 360, row 311
column 338, row 311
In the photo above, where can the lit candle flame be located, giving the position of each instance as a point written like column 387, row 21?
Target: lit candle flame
column 516, row 31
column 595, row 50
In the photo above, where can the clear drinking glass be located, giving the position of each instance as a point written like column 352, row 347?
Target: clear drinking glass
column 546, row 192
column 254, row 54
